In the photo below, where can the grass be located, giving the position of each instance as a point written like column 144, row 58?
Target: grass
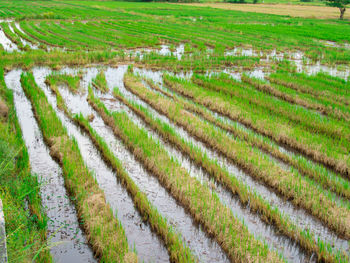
column 250, row 122
column 72, row 82
column 204, row 206
column 323, row 149
column 26, row 221
column 268, row 213
column 288, row 183
column 100, row 25
column 178, row 251
column 104, row 231
column 325, row 178
column 100, row 83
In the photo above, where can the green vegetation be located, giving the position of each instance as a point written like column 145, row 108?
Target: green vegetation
column 204, row 206
column 177, row 249
column 72, row 82
column 25, row 228
column 322, row 176
column 104, row 231
column 324, row 149
column 236, row 81
column 256, row 203
column 100, row 82
column 95, row 25
column 288, row 183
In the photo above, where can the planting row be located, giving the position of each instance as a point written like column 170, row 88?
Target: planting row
column 177, row 234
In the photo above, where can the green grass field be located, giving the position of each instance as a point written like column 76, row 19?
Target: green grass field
column 224, row 134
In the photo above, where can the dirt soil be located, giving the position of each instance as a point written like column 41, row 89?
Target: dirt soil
column 3, row 109
column 320, row 12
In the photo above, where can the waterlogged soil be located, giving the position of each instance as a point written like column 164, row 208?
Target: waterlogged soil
column 202, row 246
column 149, row 248
column 298, row 216
column 193, row 236
column 64, row 233
column 7, row 43
column 255, row 225
column 24, row 42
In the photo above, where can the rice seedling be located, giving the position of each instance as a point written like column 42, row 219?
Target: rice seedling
column 236, row 187
column 205, row 207
column 72, row 82
column 100, row 82
column 319, row 174
column 25, row 218
column 266, row 94
column 104, row 232
column 320, row 148
column 177, row 249
column 291, row 185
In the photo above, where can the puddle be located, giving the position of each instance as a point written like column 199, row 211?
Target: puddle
column 302, row 63
column 202, row 246
column 8, row 20
column 149, row 248
column 328, row 43
column 7, row 43
column 179, row 51
column 63, row 225
column 298, row 216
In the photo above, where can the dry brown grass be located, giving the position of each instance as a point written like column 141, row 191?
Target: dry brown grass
column 320, row 12
column 3, row 109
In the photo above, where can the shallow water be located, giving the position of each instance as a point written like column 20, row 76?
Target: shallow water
column 24, row 42
column 149, row 248
column 8, row 45
column 297, row 215
column 261, row 231
column 70, row 244
column 203, row 247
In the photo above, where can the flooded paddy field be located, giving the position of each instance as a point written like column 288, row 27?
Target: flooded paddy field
column 125, row 136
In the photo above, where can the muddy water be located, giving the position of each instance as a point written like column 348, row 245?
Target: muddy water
column 7, row 43
column 202, row 246
column 70, row 243
column 261, row 231
column 298, row 216
column 149, row 248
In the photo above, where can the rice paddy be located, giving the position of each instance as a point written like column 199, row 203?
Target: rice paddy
column 156, row 132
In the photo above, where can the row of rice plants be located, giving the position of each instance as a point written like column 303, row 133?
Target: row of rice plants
column 100, row 82
column 26, row 222
column 286, row 182
column 17, row 29
column 308, row 120
column 81, row 40
column 72, row 82
column 256, row 203
column 45, row 38
column 204, row 206
column 104, row 231
column 178, row 251
column 316, row 172
column 299, row 83
column 58, row 59
column 298, row 98
column 198, row 62
column 12, row 36
column 326, row 152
